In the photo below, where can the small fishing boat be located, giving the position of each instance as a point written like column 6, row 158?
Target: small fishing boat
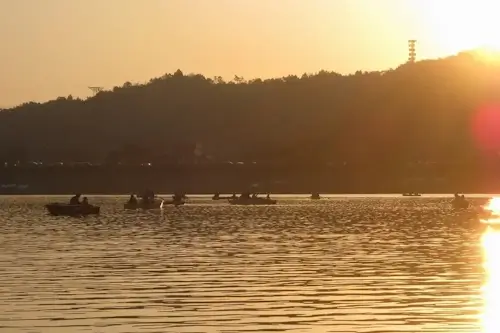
column 252, row 201
column 460, row 204
column 178, row 199
column 61, row 209
column 217, row 196
column 315, row 196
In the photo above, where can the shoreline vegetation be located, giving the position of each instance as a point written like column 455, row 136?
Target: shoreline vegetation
column 236, row 178
column 429, row 126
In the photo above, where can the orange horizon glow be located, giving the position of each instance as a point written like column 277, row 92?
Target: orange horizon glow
column 58, row 47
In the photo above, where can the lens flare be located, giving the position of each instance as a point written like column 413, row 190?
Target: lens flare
column 486, row 127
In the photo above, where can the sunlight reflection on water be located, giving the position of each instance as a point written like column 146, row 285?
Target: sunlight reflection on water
column 340, row 265
column 491, row 288
column 491, row 261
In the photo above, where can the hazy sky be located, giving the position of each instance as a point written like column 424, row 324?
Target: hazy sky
column 53, row 48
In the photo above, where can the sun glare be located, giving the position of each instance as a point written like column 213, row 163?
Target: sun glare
column 490, row 319
column 463, row 25
column 494, row 206
column 491, row 212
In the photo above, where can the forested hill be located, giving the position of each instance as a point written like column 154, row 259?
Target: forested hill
column 422, row 111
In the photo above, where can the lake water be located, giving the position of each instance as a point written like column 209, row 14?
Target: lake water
column 336, row 265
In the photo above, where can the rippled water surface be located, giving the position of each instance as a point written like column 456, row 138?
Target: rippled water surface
column 336, row 265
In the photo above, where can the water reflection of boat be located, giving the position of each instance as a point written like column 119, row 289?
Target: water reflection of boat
column 252, row 201
column 145, row 205
column 60, row 209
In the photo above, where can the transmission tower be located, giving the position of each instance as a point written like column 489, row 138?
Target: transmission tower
column 412, row 52
column 96, row 90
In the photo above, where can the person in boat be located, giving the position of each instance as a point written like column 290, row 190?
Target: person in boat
column 268, row 196
column 143, row 197
column 245, row 195
column 132, row 200
column 233, row 196
column 459, row 201
column 75, row 200
column 148, row 197
column 85, row 201
column 465, row 203
column 216, row 196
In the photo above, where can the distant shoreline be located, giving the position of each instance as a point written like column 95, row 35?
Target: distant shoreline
column 285, row 196
column 209, row 180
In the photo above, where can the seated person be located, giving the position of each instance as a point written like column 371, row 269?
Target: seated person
column 132, row 199
column 75, row 200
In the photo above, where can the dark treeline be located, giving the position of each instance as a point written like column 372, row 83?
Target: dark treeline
column 417, row 112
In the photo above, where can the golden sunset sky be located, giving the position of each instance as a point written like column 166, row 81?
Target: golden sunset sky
column 55, row 48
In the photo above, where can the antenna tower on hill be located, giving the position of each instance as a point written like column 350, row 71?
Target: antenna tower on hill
column 412, row 52
column 96, row 90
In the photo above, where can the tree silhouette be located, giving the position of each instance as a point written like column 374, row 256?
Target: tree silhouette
column 416, row 112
